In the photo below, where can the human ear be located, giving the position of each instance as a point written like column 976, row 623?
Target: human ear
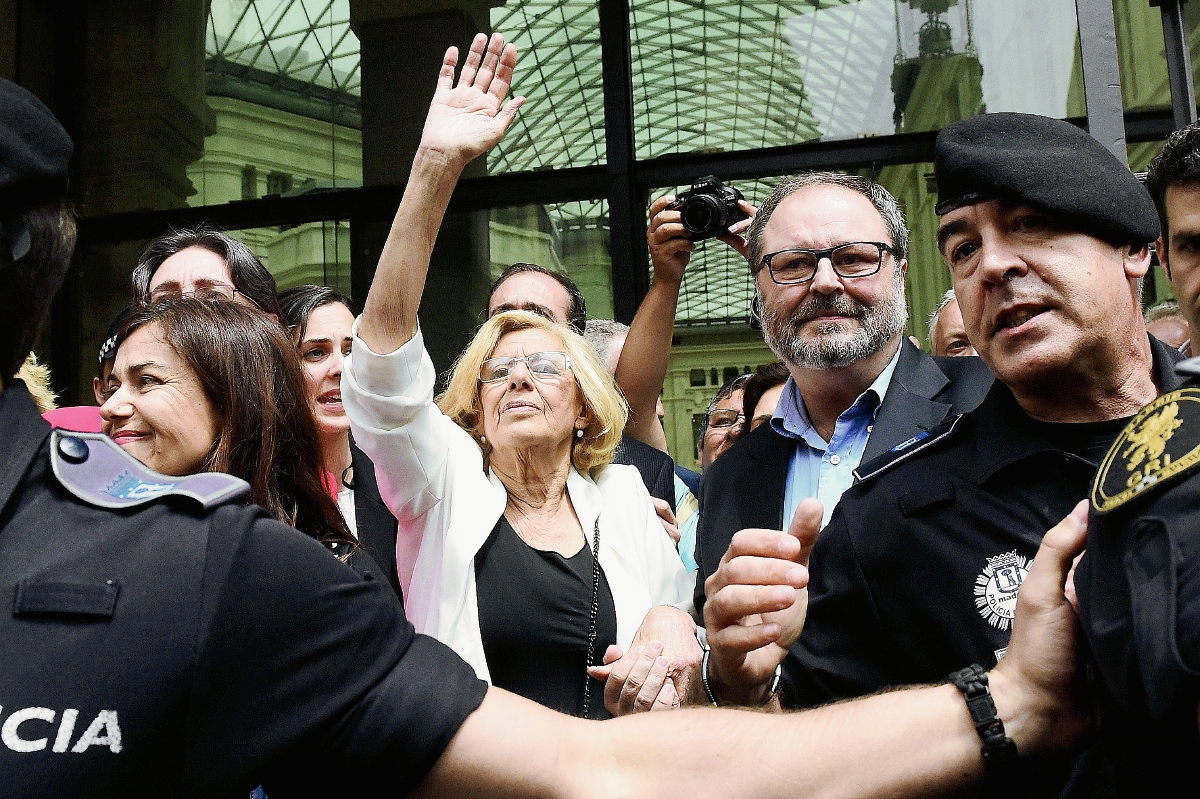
column 1137, row 261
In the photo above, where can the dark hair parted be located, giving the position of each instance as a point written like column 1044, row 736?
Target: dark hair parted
column 1177, row 165
column 266, row 433
column 576, row 311
column 765, row 378
column 249, row 275
column 297, row 304
column 31, row 283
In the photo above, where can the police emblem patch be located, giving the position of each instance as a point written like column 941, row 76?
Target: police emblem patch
column 1161, row 441
column 996, row 588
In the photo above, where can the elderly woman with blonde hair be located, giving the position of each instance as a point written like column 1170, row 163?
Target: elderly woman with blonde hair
column 519, row 545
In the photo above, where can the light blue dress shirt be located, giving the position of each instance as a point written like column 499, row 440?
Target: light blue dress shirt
column 820, row 468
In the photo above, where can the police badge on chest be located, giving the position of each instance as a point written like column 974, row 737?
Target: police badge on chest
column 996, row 588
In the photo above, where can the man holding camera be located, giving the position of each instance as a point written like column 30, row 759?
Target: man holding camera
column 829, row 254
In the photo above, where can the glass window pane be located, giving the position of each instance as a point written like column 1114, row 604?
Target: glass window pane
column 315, row 252
column 571, row 238
column 282, row 78
column 720, row 77
column 562, row 124
column 1141, row 52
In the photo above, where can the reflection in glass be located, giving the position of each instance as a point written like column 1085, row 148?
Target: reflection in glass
column 562, row 125
column 572, row 238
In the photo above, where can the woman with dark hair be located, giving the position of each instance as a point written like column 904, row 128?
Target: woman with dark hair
column 207, row 385
column 320, row 320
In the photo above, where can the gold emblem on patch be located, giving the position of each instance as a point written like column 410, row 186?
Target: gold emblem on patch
column 1161, row 441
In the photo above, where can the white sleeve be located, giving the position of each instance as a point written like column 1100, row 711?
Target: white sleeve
column 389, row 401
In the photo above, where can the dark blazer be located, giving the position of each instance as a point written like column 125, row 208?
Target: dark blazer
column 745, row 486
column 656, row 467
column 376, row 524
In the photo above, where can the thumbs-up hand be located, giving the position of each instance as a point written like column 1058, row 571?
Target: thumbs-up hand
column 757, row 602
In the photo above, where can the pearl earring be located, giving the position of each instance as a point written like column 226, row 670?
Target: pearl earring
column 483, row 439
column 578, row 433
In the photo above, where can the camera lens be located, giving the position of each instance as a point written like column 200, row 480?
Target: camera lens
column 700, row 215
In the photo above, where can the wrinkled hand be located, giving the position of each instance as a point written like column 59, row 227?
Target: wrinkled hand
column 757, row 602
column 468, row 118
column 1034, row 685
column 670, row 247
column 667, row 517
column 661, row 668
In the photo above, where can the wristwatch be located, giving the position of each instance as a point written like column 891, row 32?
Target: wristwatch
column 999, row 751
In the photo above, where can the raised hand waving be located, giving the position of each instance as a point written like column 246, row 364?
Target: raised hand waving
column 468, row 118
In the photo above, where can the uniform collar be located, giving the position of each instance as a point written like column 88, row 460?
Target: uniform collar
column 1007, row 433
column 23, row 431
column 791, row 417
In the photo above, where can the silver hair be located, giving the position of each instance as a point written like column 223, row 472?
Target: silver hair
column 878, row 324
column 600, row 332
column 947, row 298
column 881, row 198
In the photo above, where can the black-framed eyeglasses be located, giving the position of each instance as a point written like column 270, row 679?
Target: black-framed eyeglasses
column 850, row 260
column 542, row 365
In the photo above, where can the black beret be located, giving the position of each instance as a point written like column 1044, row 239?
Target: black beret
column 1047, row 163
column 34, row 151
column 1139, row 581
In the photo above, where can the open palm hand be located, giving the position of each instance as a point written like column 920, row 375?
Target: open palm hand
column 468, row 118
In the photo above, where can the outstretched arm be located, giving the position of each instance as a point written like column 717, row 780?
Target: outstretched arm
column 904, row 743
column 647, row 353
column 465, row 120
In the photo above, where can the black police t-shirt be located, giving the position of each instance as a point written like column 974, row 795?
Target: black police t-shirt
column 165, row 650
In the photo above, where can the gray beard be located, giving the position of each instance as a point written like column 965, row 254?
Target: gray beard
column 831, row 347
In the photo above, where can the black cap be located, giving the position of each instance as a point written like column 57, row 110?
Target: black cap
column 108, row 349
column 34, row 151
column 1049, row 164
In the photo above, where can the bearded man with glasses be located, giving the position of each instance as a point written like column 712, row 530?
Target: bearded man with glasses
column 829, row 253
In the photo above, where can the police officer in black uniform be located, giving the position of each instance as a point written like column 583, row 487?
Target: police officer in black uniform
column 1139, row 592
column 163, row 638
column 916, row 575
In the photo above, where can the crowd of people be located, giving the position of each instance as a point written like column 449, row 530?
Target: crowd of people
column 273, row 558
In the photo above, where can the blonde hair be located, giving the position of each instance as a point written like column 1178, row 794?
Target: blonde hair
column 36, row 377
column 603, row 404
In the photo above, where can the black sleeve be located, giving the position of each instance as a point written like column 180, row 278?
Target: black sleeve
column 842, row 651
column 311, row 679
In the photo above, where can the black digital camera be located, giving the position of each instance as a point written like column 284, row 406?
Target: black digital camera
column 708, row 208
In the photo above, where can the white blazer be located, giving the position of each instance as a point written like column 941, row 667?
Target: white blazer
column 430, row 474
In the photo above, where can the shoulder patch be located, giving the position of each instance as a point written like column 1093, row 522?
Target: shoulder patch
column 1160, row 442
column 96, row 470
column 907, row 449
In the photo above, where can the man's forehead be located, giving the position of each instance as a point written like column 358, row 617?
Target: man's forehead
column 525, row 289
column 826, row 213
column 1183, row 199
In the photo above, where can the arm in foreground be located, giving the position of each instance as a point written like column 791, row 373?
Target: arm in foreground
column 510, row 747
column 465, row 120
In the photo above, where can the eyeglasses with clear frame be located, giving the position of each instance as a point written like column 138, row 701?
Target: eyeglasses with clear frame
column 725, row 417
column 204, row 290
column 541, row 365
column 850, row 260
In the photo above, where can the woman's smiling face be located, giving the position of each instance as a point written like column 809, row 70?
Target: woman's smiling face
column 522, row 410
column 155, row 408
